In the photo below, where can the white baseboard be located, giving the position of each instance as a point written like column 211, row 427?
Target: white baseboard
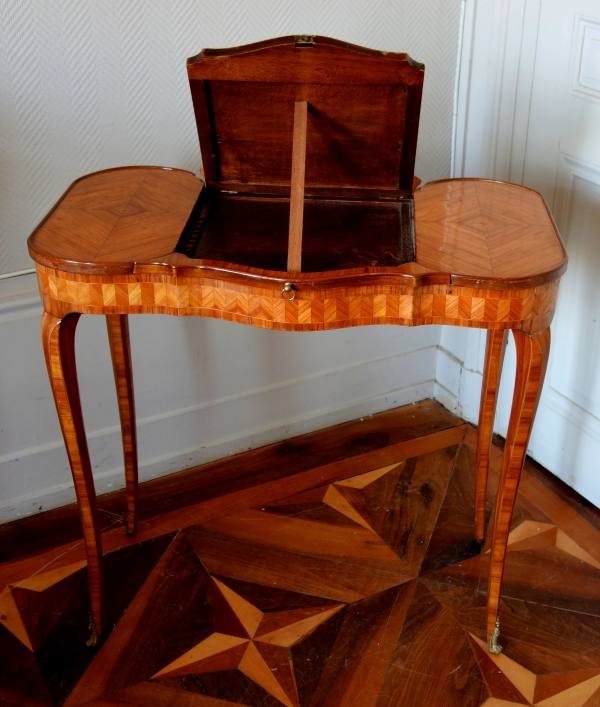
column 178, row 458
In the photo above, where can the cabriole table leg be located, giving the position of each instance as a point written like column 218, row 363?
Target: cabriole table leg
column 494, row 356
column 58, row 341
column 532, row 360
column 118, row 336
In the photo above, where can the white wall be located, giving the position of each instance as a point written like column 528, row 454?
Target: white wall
column 204, row 389
column 102, row 83
column 90, row 85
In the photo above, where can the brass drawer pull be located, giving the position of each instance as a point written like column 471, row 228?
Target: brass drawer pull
column 288, row 287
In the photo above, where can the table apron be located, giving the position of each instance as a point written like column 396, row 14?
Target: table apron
column 529, row 309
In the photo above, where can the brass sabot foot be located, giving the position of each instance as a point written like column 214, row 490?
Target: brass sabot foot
column 94, row 638
column 494, row 646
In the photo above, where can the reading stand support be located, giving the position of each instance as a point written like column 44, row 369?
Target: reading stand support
column 294, row 262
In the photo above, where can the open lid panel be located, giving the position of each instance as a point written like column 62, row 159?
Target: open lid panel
column 363, row 117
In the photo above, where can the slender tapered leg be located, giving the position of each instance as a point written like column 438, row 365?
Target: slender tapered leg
column 494, row 356
column 58, row 341
column 118, row 336
column 532, row 360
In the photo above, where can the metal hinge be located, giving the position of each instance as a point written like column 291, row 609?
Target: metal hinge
column 305, row 40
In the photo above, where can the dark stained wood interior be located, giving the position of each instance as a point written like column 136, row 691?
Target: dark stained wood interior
column 329, row 570
column 254, row 232
column 473, row 233
column 346, row 126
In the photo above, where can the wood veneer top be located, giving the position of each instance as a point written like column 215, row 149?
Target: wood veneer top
column 109, row 220
column 486, row 229
column 475, row 232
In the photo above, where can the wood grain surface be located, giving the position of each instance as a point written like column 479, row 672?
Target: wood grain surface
column 485, row 228
column 470, row 233
column 461, row 222
column 224, row 610
column 294, row 261
column 118, row 215
column 363, row 122
column 58, row 342
column 532, row 359
column 118, row 337
column 488, row 255
column 64, row 292
column 494, row 356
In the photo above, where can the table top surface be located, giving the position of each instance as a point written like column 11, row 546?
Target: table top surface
column 469, row 232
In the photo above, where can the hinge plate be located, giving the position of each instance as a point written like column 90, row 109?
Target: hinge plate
column 305, row 40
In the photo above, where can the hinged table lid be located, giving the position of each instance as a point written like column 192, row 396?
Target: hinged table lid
column 362, row 125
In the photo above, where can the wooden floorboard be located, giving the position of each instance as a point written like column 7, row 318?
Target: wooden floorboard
column 45, row 530
column 336, row 569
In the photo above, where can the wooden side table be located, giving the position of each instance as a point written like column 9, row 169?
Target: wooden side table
column 488, row 255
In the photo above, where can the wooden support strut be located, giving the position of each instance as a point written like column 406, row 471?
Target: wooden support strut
column 294, row 262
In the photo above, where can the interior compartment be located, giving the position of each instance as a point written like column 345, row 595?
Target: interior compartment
column 253, row 231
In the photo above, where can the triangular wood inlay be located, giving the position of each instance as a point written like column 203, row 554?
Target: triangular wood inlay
column 10, row 618
column 531, row 534
column 575, row 696
column 553, row 684
column 338, row 500
column 268, row 595
column 248, row 615
column 217, row 652
column 40, row 582
column 524, row 680
column 363, row 480
column 254, row 666
column 564, row 542
column 288, row 635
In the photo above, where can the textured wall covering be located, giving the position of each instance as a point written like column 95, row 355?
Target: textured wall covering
column 91, row 84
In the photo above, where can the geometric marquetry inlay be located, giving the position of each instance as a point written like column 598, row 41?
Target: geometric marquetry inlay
column 485, row 228
column 30, row 608
column 350, row 496
column 193, row 296
column 252, row 642
column 353, row 583
column 530, row 535
column 500, row 673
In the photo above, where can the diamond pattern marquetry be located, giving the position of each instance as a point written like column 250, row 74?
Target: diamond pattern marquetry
column 505, row 677
column 354, row 582
column 485, row 228
column 114, row 206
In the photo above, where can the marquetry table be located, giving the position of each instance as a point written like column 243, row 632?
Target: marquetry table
column 306, row 220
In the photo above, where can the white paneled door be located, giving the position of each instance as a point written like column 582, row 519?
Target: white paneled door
column 562, row 161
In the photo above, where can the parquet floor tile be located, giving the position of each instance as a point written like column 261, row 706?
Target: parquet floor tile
column 353, row 582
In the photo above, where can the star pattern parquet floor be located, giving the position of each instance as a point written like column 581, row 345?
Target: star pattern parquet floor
column 354, row 582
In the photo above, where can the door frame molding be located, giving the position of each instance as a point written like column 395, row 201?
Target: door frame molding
column 495, row 78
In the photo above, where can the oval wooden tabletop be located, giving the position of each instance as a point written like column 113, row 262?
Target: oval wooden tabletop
column 469, row 232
